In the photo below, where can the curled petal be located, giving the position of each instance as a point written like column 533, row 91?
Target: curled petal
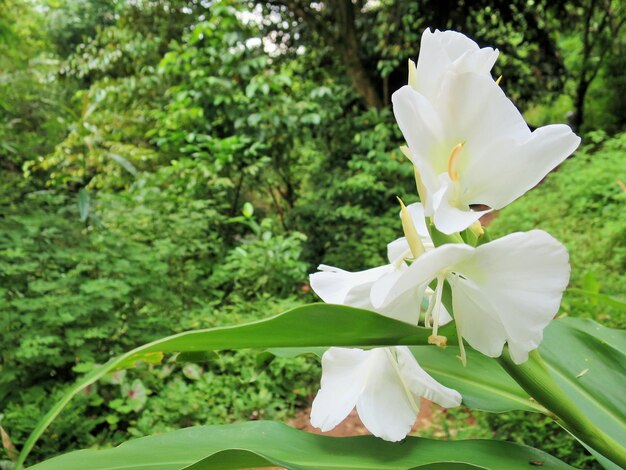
column 336, row 286
column 521, row 278
column 344, row 373
column 423, row 385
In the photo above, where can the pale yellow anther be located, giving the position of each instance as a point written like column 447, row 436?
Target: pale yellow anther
column 477, row 229
column 421, row 190
column 453, row 161
column 412, row 75
column 498, row 80
column 410, row 232
column 440, row 341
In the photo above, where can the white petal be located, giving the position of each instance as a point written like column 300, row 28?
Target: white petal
column 420, row 273
column 398, row 250
column 475, row 318
column 423, row 131
column 477, row 111
column 449, row 218
column 509, row 168
column 344, row 372
column 423, row 385
column 416, row 211
column 444, row 51
column 336, row 286
column 384, row 406
column 523, row 276
column 406, row 307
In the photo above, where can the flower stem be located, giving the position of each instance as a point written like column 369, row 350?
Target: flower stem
column 534, row 378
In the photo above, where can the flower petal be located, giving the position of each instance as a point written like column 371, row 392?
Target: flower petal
column 384, row 406
column 475, row 318
column 398, row 250
column 420, row 273
column 344, row 372
column 336, row 286
column 443, row 51
column 449, row 218
column 523, row 276
column 419, row 219
column 423, row 130
column 509, row 168
column 423, row 385
column 476, row 111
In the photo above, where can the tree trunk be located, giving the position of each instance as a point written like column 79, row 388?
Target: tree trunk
column 348, row 46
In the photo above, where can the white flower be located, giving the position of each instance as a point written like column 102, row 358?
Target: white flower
column 468, row 141
column 385, row 385
column 336, row 286
column 505, row 291
column 445, row 51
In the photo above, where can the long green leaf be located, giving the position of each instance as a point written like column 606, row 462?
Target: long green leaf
column 483, row 383
column 312, row 325
column 262, row 444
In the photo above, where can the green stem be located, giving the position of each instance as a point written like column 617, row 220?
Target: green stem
column 534, row 378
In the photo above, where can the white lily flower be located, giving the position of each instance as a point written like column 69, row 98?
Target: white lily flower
column 385, row 385
column 336, row 286
column 469, row 143
column 505, row 291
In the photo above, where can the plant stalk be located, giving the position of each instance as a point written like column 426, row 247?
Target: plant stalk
column 534, row 378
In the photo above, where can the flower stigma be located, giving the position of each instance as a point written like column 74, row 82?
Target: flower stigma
column 432, row 314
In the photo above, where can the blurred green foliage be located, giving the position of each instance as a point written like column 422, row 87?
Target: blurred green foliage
column 177, row 164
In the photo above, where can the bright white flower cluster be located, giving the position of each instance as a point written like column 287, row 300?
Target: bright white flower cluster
column 469, row 145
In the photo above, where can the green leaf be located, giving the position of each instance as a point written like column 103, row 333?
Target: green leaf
column 483, row 383
column 325, row 325
column 84, row 204
column 264, row 443
column 128, row 166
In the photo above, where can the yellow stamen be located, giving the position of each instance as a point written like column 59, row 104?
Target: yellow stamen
column 453, row 161
column 412, row 75
column 498, row 80
column 410, row 232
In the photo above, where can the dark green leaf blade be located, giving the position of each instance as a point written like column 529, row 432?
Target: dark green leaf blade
column 264, row 443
